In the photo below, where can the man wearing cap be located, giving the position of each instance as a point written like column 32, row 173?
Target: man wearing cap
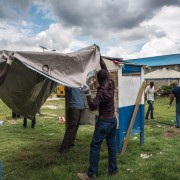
column 105, row 127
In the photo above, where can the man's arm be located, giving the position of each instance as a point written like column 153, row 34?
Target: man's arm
column 102, row 64
column 92, row 102
column 171, row 97
column 104, row 67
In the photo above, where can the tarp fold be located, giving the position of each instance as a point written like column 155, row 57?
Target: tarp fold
column 33, row 75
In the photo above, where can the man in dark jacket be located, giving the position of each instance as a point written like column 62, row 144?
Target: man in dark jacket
column 105, row 127
column 176, row 93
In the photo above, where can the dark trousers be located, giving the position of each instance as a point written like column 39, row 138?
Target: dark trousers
column 14, row 115
column 33, row 123
column 178, row 114
column 72, row 125
column 150, row 109
column 104, row 129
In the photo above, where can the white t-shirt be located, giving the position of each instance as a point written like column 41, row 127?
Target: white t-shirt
column 150, row 93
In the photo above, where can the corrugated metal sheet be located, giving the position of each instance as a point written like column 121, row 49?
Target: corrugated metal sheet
column 158, row 60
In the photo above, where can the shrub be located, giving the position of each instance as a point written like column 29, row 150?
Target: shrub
column 166, row 89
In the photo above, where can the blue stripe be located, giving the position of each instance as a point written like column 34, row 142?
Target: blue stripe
column 127, row 68
column 125, row 115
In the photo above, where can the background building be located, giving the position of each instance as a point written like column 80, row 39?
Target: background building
column 171, row 61
column 163, row 69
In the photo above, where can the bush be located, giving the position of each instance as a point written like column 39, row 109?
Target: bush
column 166, row 89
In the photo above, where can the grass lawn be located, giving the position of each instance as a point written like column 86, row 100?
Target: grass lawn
column 33, row 153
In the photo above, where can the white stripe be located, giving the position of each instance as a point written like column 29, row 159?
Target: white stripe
column 128, row 90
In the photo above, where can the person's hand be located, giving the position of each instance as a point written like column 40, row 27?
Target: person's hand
column 10, row 58
column 85, row 89
column 168, row 106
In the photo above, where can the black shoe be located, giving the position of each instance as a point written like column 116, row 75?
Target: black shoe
column 84, row 176
column 71, row 146
column 146, row 118
column 177, row 126
column 63, row 150
column 113, row 173
column 24, row 127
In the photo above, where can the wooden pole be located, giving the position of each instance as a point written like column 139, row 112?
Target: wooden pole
column 138, row 100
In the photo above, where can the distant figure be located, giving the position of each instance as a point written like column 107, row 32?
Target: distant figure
column 33, row 123
column 176, row 93
column 149, row 95
column 76, row 105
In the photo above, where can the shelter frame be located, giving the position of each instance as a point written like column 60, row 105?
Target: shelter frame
column 130, row 78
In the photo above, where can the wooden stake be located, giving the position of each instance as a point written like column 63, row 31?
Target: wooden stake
column 138, row 100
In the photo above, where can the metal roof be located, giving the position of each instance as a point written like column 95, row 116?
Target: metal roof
column 171, row 59
column 127, row 67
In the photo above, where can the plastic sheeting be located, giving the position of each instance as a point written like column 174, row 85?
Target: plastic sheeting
column 32, row 76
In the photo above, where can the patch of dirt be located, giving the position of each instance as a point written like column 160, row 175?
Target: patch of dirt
column 171, row 132
column 53, row 99
column 12, row 121
column 50, row 107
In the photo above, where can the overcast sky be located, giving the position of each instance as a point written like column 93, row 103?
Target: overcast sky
column 121, row 28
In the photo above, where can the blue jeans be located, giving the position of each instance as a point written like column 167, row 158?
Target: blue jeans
column 178, row 114
column 150, row 109
column 104, row 129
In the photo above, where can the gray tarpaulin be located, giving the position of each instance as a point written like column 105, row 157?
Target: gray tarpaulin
column 32, row 76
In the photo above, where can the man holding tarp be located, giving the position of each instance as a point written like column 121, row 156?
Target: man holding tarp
column 105, row 127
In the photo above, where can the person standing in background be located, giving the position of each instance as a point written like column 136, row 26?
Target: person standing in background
column 75, row 107
column 149, row 96
column 175, row 93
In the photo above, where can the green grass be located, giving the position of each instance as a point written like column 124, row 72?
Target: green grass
column 33, row 153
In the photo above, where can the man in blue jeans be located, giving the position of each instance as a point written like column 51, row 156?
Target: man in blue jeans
column 149, row 95
column 105, row 127
column 176, row 93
